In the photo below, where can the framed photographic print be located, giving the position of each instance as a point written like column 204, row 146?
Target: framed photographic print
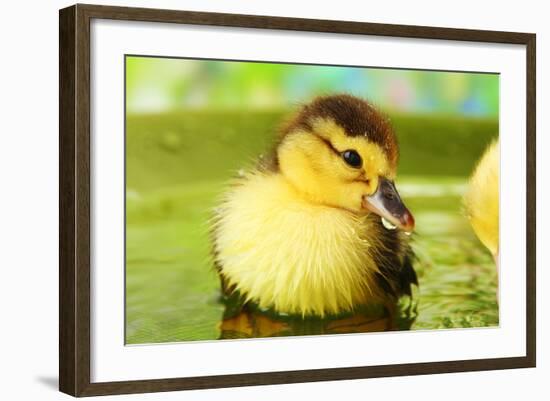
column 251, row 200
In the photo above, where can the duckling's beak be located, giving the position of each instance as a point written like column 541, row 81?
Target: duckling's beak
column 387, row 204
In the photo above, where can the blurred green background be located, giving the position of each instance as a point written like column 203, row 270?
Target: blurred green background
column 192, row 124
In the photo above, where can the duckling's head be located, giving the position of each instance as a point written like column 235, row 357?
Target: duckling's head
column 342, row 152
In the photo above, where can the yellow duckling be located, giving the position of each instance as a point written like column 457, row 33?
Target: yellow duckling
column 482, row 199
column 318, row 228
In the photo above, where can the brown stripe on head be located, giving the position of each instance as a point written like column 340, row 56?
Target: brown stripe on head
column 356, row 116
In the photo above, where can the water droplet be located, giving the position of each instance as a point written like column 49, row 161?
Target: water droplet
column 283, row 314
column 388, row 225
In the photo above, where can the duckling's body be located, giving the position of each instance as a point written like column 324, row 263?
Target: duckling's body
column 293, row 234
column 298, row 256
column 482, row 199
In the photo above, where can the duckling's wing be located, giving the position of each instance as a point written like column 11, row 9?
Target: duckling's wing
column 407, row 275
column 395, row 261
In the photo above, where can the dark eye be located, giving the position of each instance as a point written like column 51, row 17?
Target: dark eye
column 352, row 158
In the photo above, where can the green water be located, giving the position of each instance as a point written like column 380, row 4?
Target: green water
column 177, row 165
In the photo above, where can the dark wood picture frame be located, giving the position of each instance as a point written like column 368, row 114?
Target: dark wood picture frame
column 74, row 199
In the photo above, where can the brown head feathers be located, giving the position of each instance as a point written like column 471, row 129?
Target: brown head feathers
column 355, row 115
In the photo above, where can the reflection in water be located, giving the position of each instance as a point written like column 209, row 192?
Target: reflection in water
column 247, row 321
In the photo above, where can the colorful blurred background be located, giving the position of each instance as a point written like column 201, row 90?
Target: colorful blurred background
column 192, row 124
column 160, row 84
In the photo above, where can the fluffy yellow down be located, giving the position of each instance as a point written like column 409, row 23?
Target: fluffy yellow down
column 482, row 198
column 284, row 252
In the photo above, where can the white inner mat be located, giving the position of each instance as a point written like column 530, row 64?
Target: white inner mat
column 112, row 361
